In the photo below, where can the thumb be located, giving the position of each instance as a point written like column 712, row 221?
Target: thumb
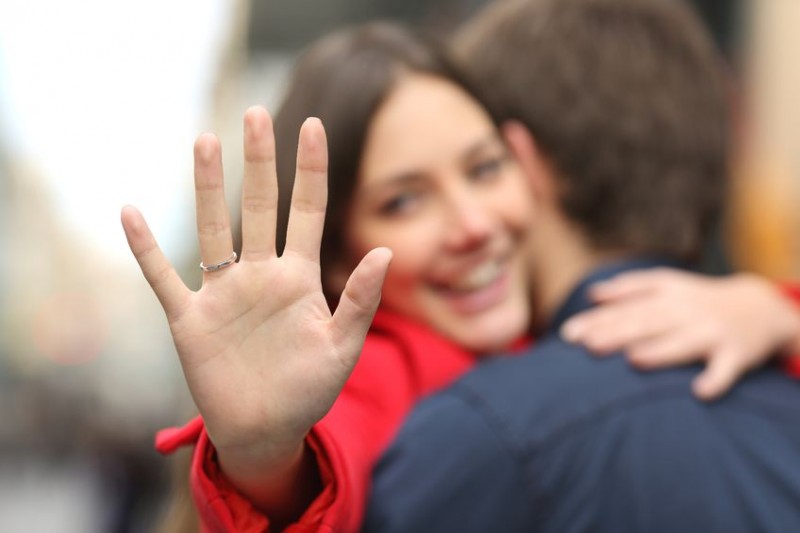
column 359, row 301
column 721, row 372
column 157, row 270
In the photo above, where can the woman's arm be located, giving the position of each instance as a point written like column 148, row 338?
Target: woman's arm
column 262, row 355
column 667, row 317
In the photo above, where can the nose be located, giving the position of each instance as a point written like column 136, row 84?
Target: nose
column 471, row 222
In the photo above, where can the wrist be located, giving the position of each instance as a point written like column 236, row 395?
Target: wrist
column 768, row 298
column 792, row 347
column 269, row 458
column 790, row 322
column 279, row 483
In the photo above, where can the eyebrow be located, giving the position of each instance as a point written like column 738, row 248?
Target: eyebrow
column 397, row 181
column 414, row 176
column 475, row 148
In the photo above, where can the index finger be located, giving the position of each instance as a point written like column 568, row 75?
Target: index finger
column 310, row 192
column 630, row 284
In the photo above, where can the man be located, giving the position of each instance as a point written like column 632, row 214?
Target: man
column 618, row 116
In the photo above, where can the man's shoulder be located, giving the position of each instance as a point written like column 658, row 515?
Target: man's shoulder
column 556, row 378
column 556, row 385
column 559, row 425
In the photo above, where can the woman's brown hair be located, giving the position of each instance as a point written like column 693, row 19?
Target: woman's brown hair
column 343, row 79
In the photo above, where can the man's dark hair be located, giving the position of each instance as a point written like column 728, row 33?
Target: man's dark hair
column 626, row 99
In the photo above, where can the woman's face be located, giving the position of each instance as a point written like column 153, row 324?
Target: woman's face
column 438, row 187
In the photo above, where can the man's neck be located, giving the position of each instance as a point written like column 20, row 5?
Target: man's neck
column 560, row 259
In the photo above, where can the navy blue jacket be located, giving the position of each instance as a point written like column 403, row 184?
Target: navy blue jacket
column 557, row 440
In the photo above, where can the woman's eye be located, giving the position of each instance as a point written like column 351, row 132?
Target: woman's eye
column 399, row 204
column 486, row 169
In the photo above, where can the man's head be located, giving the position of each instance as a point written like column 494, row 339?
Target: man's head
column 624, row 104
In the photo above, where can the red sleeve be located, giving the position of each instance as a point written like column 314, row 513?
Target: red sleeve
column 792, row 365
column 400, row 363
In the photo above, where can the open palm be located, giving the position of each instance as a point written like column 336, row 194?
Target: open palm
column 263, row 357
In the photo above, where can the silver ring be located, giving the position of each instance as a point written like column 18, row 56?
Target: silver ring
column 219, row 266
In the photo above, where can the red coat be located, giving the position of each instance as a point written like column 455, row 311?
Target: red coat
column 793, row 363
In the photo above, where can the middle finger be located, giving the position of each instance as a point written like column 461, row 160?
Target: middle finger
column 260, row 187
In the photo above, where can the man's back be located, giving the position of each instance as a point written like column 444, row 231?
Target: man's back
column 560, row 441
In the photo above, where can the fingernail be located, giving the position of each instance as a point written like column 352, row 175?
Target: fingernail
column 599, row 288
column 206, row 146
column 702, row 388
column 571, row 330
column 700, row 392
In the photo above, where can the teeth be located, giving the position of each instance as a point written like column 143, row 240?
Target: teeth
column 480, row 277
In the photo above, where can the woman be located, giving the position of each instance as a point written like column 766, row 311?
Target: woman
column 416, row 164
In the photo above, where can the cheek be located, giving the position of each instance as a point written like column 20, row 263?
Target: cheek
column 411, row 260
column 414, row 251
column 513, row 202
column 521, row 212
column 404, row 286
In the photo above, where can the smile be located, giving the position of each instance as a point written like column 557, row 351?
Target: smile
column 478, row 278
column 479, row 290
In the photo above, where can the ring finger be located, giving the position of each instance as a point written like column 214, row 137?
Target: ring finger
column 213, row 221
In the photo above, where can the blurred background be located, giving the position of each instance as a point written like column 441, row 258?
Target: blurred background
column 99, row 105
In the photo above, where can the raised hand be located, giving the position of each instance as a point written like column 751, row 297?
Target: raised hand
column 665, row 317
column 262, row 355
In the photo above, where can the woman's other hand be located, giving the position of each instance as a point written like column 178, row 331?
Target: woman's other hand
column 666, row 317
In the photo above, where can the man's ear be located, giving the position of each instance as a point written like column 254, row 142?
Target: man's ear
column 530, row 159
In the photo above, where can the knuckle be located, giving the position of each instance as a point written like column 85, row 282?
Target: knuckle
column 208, row 184
column 159, row 276
column 259, row 155
column 212, row 228
column 316, row 168
column 257, row 204
column 308, row 205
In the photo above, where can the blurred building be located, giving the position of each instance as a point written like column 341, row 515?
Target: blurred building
column 82, row 389
column 765, row 220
